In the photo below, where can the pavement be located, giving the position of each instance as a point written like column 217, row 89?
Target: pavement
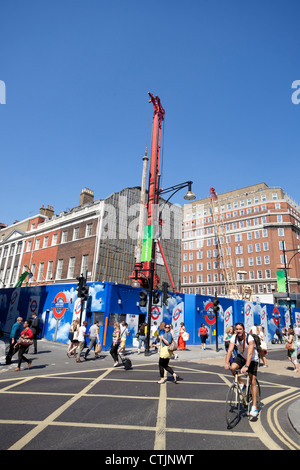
column 194, row 353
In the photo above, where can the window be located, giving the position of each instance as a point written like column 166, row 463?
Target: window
column 64, row 237
column 40, row 272
column 49, row 271
column 54, row 239
column 281, row 232
column 257, row 247
column 45, row 244
column 76, row 233
column 239, row 250
column 84, row 264
column 267, row 259
column 251, row 261
column 250, row 249
column 274, row 196
column 88, row 231
column 258, row 260
column 59, row 269
column 28, row 245
column 71, row 268
column 37, row 244
column 279, row 218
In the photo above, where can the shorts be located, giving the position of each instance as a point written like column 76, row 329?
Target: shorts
column 240, row 361
column 123, row 342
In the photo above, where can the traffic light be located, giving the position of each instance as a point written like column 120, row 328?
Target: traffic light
column 165, row 294
column 80, row 285
column 85, row 293
column 155, row 297
column 82, row 289
column 143, row 298
column 216, row 305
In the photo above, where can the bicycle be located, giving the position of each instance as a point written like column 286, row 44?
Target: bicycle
column 237, row 397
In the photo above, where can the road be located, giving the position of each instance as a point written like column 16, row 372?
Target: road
column 60, row 404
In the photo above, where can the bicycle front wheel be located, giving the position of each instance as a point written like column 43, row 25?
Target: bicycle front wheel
column 250, row 397
column 233, row 406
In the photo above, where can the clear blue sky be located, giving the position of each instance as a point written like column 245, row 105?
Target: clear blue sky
column 77, row 73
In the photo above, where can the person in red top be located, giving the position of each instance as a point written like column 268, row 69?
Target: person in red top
column 203, row 333
column 26, row 334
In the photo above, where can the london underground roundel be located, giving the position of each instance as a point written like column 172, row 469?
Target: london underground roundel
column 210, row 317
column 276, row 316
column 155, row 313
column 176, row 314
column 247, row 310
column 60, row 305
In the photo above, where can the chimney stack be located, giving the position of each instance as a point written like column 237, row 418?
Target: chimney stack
column 47, row 211
column 86, row 197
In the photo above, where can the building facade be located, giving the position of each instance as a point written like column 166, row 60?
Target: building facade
column 257, row 222
column 96, row 238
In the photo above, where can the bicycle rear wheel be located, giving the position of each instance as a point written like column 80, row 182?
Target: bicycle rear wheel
column 250, row 398
column 233, row 406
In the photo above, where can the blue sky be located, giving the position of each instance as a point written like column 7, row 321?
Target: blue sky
column 77, row 73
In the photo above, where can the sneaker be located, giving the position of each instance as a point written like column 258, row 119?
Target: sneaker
column 253, row 412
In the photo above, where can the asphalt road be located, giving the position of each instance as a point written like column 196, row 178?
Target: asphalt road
column 60, row 404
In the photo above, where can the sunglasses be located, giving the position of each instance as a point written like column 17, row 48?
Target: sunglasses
column 239, row 324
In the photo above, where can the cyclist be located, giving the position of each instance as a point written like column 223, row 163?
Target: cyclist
column 246, row 360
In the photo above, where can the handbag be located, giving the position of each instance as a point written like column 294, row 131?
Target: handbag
column 263, row 345
column 173, row 346
column 185, row 336
column 25, row 342
column 290, row 346
column 98, row 348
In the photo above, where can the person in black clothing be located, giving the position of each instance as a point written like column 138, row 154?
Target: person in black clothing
column 35, row 330
column 279, row 335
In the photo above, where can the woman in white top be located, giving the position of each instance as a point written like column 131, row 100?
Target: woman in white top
column 263, row 352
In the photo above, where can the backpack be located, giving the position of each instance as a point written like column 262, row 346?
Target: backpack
column 256, row 341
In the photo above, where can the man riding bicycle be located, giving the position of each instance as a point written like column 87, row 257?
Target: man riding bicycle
column 246, row 360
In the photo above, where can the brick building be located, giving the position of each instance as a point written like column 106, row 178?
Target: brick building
column 95, row 237
column 256, row 220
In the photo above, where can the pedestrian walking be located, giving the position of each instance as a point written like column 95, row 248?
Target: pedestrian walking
column 263, row 345
column 165, row 356
column 81, row 340
column 203, row 333
column 116, row 340
column 279, row 335
column 23, row 343
column 291, row 346
column 35, row 331
column 15, row 334
column 93, row 337
column 227, row 336
column 142, row 336
column 153, row 334
column 123, row 333
column 73, row 338
column 181, row 342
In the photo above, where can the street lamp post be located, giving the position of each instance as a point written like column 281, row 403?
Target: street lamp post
column 189, row 197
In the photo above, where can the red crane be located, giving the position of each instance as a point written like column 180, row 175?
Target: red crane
column 142, row 270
